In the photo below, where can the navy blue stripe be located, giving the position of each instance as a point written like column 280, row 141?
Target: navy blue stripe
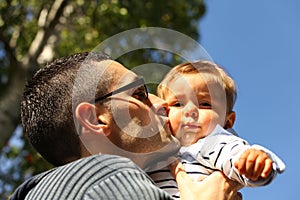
column 234, row 146
column 218, row 156
column 169, row 187
column 197, row 172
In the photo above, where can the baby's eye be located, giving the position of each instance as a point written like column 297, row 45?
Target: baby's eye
column 205, row 105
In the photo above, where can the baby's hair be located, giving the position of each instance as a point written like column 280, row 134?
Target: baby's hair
column 207, row 69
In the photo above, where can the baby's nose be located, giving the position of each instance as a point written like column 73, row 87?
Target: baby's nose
column 191, row 111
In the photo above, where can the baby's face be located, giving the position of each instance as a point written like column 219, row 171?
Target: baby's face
column 196, row 107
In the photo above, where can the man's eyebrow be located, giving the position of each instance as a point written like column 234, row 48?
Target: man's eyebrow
column 138, row 81
column 124, row 81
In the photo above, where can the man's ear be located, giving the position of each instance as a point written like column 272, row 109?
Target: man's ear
column 230, row 119
column 86, row 115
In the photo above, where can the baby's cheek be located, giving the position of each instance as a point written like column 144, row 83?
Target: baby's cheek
column 174, row 122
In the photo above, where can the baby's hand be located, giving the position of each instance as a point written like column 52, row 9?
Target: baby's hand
column 253, row 164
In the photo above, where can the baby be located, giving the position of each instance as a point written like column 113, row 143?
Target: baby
column 201, row 97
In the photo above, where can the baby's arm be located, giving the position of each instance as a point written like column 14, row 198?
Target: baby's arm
column 221, row 150
column 253, row 164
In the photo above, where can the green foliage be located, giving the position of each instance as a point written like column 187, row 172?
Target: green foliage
column 81, row 27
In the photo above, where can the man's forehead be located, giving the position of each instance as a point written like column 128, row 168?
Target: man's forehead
column 111, row 66
column 121, row 74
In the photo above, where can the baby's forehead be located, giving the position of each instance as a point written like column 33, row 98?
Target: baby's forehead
column 194, row 79
column 196, row 83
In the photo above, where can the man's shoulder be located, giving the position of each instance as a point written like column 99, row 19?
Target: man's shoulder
column 26, row 186
column 102, row 166
column 77, row 176
column 103, row 160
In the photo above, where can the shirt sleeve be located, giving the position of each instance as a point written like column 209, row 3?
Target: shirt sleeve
column 221, row 149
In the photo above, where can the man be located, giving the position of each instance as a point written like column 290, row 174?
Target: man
column 113, row 115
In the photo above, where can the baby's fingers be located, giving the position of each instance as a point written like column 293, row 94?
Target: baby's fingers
column 253, row 164
column 267, row 169
column 259, row 167
column 241, row 163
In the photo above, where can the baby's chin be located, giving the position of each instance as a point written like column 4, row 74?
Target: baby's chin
column 188, row 138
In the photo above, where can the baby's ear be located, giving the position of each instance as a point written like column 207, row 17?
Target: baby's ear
column 86, row 115
column 230, row 119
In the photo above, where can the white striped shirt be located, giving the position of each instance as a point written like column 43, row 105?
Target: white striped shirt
column 217, row 151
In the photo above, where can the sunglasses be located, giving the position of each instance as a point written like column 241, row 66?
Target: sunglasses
column 141, row 93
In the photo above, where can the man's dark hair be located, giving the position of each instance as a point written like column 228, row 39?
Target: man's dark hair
column 46, row 107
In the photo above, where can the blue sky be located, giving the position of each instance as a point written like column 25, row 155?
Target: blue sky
column 258, row 43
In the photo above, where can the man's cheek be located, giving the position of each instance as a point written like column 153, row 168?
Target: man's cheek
column 142, row 116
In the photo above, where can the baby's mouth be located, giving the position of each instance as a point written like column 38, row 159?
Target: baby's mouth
column 190, row 126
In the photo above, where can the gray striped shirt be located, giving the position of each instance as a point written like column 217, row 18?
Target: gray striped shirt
column 95, row 177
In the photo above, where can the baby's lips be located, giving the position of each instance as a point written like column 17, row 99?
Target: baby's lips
column 190, row 126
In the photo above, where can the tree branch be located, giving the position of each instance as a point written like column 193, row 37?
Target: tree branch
column 10, row 103
column 46, row 30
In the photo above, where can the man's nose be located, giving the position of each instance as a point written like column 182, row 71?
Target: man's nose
column 191, row 110
column 159, row 106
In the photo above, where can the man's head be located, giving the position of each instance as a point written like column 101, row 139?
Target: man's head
column 46, row 109
column 60, row 100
